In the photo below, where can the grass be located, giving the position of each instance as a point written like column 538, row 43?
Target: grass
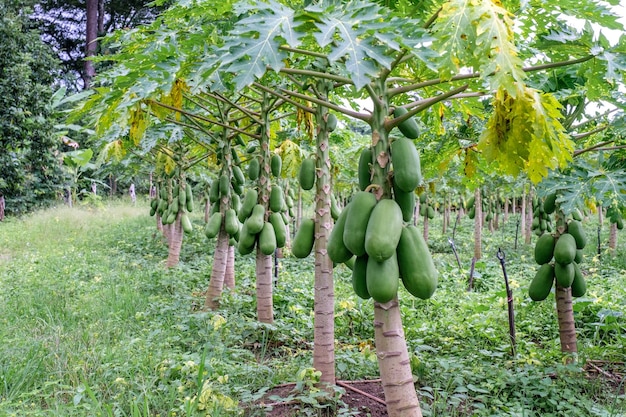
column 92, row 324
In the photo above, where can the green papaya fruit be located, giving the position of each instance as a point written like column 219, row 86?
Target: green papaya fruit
column 408, row 127
column 544, row 249
column 335, row 211
column 364, row 173
column 564, row 274
column 337, row 250
column 186, row 223
column 256, row 220
column 277, row 199
column 407, row 174
column 267, row 239
column 189, row 204
column 304, row 239
column 247, row 240
column 579, row 285
column 254, row 169
column 231, row 223
column 276, row 164
column 214, row 191
column 224, row 185
column 565, row 249
column 359, row 274
column 238, row 175
column 358, row 216
column 331, row 122
column 279, row 229
column 383, row 231
column 213, row 226
column 382, row 279
column 248, row 203
column 416, row 267
column 549, row 203
column 306, row 175
column 541, row 284
column 575, row 228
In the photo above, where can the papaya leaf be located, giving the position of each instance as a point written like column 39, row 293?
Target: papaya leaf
column 254, row 43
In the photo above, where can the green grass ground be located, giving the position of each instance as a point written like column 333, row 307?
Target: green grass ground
column 92, row 324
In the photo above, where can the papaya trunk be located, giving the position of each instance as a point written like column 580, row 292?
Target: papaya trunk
column 393, row 361
column 446, row 219
column 159, row 223
column 324, row 295
column 567, row 327
column 2, row 207
column 426, row 227
column 264, row 303
column 220, row 261
column 207, row 211
column 613, row 238
column 529, row 218
column 522, row 224
column 229, row 278
column 505, row 217
column 175, row 242
column 478, row 225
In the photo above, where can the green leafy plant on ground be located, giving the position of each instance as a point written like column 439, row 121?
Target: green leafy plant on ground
column 93, row 324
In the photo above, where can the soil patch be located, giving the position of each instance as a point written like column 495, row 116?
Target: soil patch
column 361, row 398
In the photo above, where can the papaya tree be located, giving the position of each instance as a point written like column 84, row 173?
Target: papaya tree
column 523, row 132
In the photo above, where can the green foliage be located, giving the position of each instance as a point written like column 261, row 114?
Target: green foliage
column 30, row 174
column 118, row 334
column 584, row 182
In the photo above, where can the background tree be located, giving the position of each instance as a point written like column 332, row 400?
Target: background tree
column 30, row 171
column 72, row 28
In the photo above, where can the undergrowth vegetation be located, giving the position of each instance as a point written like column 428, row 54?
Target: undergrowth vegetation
column 93, row 324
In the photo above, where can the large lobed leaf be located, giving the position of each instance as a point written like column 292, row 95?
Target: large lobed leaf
column 524, row 134
column 478, row 34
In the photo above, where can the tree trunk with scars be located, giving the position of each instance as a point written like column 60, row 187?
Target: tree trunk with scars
column 478, row 224
column 264, row 264
column 220, row 257
column 175, row 242
column 613, row 238
column 529, row 218
column 393, row 359
column 218, row 273
column 324, row 297
column 229, row 277
column 391, row 349
column 567, row 327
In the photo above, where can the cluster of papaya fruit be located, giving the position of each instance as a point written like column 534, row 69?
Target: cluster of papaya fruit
column 615, row 217
column 490, row 206
column 566, row 249
column 172, row 199
column 427, row 208
column 244, row 218
column 542, row 209
column 375, row 234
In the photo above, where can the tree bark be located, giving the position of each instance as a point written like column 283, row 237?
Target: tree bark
column 529, row 218
column 264, row 302
column 229, row 278
column 567, row 327
column 2, row 207
column 613, row 238
column 324, row 295
column 91, row 44
column 175, row 242
column 426, row 227
column 393, row 360
column 218, row 273
column 478, row 224
column 522, row 224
